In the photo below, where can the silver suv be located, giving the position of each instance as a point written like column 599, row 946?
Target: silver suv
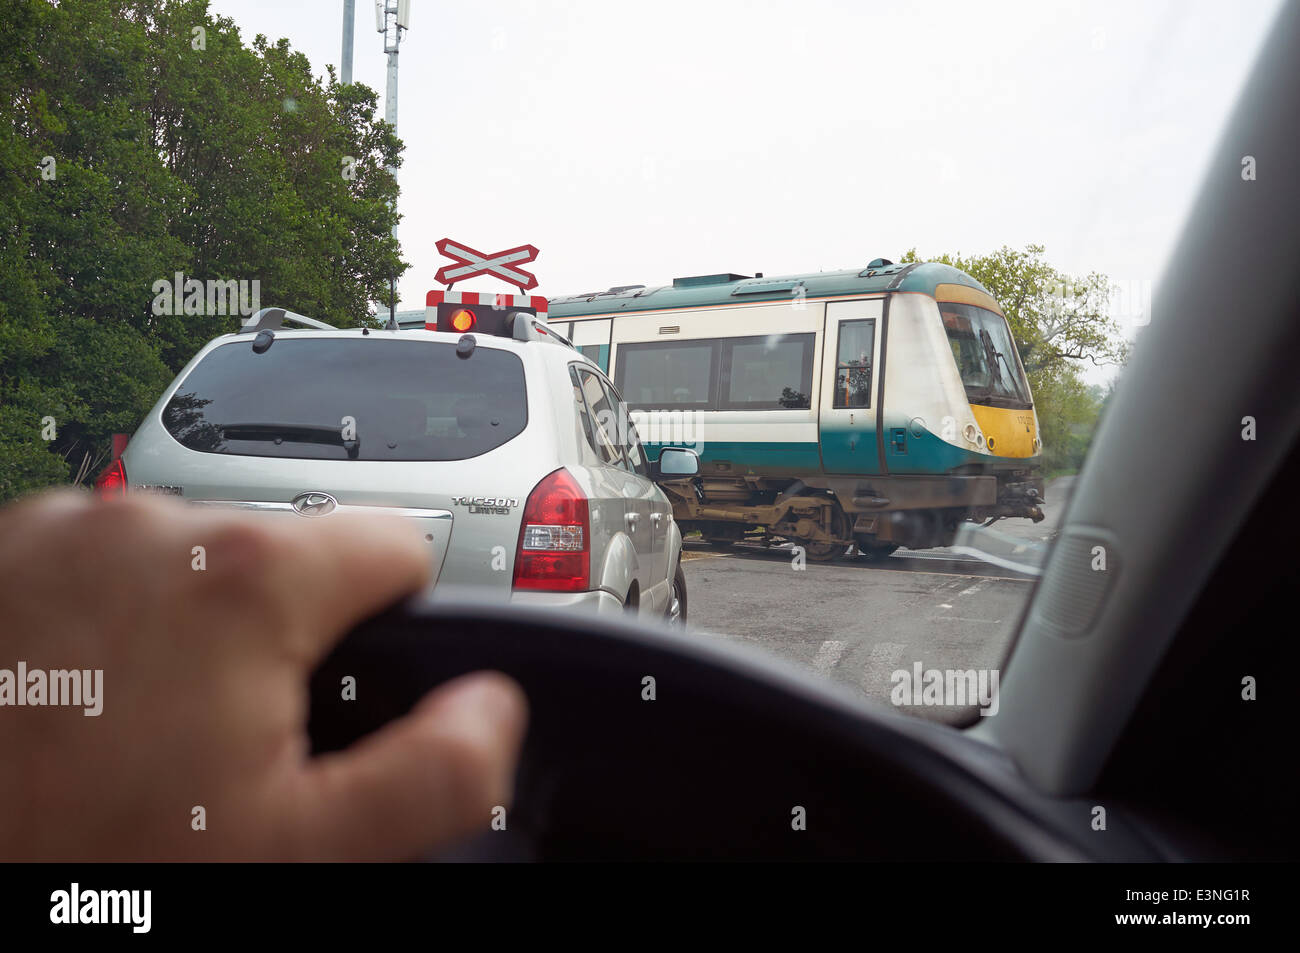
column 509, row 448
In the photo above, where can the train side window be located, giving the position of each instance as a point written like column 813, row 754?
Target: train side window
column 853, row 363
column 772, row 372
column 677, row 375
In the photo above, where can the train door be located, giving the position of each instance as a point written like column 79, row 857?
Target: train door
column 850, row 386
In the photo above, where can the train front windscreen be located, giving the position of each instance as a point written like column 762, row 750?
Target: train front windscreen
column 986, row 355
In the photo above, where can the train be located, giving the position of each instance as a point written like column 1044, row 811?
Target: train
column 857, row 410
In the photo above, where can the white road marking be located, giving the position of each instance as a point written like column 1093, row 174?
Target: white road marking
column 883, row 659
column 887, row 651
column 828, row 656
column 973, row 589
column 945, row 605
column 950, row 575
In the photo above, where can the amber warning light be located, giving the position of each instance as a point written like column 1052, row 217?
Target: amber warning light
column 460, row 312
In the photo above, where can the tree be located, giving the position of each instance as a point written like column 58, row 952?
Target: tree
column 140, row 138
column 1059, row 322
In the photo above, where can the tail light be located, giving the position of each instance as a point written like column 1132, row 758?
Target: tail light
column 112, row 481
column 555, row 540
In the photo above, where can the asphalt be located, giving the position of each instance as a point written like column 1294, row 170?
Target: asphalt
column 859, row 621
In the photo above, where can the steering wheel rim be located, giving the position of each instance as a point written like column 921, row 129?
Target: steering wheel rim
column 618, row 767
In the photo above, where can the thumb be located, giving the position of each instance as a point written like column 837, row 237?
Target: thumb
column 422, row 781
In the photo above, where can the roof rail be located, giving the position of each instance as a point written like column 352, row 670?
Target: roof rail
column 270, row 319
column 527, row 327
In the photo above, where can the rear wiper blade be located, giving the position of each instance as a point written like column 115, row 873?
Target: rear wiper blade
column 294, row 433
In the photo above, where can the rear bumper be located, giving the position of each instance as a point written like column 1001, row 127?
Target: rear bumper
column 598, row 602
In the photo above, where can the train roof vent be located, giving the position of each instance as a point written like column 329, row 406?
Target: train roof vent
column 768, row 286
column 620, row 289
column 696, row 280
column 880, row 266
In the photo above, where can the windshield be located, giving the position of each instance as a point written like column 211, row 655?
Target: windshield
column 745, row 218
column 985, row 354
column 350, row 399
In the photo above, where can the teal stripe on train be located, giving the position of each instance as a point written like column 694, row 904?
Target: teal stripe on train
column 905, row 452
column 765, row 458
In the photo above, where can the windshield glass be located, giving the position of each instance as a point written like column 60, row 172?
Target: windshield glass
column 755, row 256
column 981, row 344
column 352, row 399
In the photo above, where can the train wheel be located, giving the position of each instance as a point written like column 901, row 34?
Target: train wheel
column 875, row 551
column 822, row 552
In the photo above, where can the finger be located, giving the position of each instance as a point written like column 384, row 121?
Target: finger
column 33, row 516
column 324, row 575
column 420, row 782
column 50, row 537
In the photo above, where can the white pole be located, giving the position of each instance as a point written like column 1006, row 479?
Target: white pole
column 390, row 111
column 349, row 21
column 391, row 17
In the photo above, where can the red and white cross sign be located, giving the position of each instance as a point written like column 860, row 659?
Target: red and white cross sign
column 501, row 264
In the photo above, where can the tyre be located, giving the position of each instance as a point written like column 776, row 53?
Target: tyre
column 675, row 614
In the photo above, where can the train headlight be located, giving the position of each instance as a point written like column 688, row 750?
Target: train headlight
column 973, row 435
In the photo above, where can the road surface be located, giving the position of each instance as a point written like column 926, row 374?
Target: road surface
column 859, row 622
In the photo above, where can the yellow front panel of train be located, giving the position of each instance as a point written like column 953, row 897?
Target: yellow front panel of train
column 1010, row 433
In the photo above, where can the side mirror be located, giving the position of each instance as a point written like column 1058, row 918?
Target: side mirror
column 674, row 463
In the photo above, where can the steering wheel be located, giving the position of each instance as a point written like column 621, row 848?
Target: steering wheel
column 648, row 744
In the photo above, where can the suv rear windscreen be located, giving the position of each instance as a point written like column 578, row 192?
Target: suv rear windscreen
column 350, row 399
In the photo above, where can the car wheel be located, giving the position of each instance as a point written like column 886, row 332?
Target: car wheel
column 676, row 612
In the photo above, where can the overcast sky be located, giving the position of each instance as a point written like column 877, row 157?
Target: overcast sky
column 635, row 142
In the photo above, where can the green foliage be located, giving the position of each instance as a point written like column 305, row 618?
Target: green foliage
column 1059, row 321
column 1068, row 411
column 222, row 162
